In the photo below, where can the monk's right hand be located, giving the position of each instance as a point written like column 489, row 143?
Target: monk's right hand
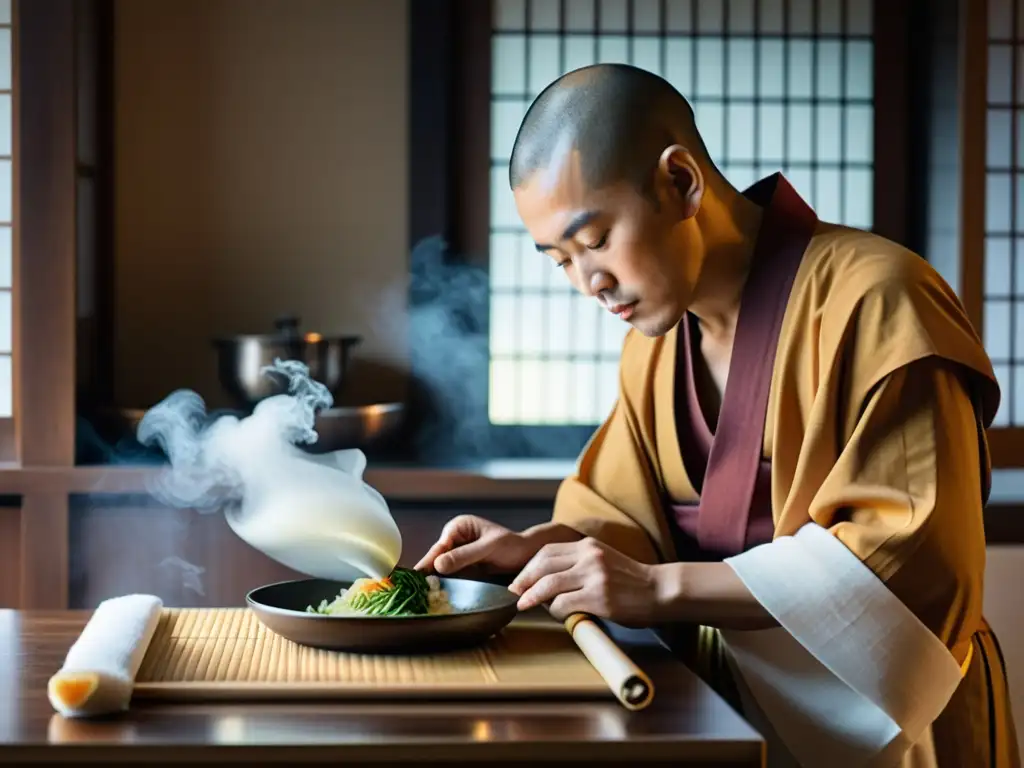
column 474, row 543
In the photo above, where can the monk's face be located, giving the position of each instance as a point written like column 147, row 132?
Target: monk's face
column 640, row 260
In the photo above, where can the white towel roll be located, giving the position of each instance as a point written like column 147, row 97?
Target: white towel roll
column 99, row 672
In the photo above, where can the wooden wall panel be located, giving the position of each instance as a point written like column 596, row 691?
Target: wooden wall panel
column 1003, row 574
column 10, row 557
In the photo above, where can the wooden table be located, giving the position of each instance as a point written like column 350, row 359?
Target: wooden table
column 688, row 724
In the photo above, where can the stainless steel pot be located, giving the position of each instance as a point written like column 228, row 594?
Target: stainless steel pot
column 359, row 426
column 241, row 359
column 366, row 427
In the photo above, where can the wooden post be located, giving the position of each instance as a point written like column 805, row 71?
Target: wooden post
column 973, row 111
column 891, row 95
column 44, row 295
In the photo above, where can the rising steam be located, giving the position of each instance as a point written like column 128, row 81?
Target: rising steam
column 212, row 460
column 231, row 465
column 311, row 513
column 449, row 344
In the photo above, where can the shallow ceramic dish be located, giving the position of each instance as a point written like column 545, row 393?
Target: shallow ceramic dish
column 479, row 611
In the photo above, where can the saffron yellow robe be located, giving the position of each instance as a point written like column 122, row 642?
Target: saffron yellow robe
column 880, row 394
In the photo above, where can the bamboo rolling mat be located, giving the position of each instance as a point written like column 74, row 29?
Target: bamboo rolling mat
column 226, row 653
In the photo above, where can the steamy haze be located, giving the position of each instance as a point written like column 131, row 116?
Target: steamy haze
column 212, row 461
column 440, row 306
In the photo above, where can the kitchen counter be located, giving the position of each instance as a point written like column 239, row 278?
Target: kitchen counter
column 518, row 480
column 481, row 487
column 688, row 724
column 508, row 479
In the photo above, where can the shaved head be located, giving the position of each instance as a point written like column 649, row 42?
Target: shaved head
column 609, row 175
column 617, row 118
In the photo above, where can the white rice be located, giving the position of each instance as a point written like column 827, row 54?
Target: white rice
column 437, row 599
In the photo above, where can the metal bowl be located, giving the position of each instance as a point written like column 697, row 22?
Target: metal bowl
column 366, row 427
column 357, row 426
column 241, row 360
column 480, row 610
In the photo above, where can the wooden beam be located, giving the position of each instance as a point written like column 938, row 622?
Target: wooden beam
column 973, row 90
column 1006, row 444
column 485, row 482
column 471, row 105
column 44, row 284
column 431, row 71
column 44, row 293
column 892, row 156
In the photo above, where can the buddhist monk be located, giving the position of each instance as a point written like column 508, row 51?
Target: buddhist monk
column 791, row 481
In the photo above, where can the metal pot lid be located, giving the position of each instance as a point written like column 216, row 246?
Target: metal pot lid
column 287, row 333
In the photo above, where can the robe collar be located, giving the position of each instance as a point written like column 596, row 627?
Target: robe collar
column 787, row 220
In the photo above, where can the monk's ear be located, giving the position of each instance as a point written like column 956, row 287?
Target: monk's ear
column 678, row 168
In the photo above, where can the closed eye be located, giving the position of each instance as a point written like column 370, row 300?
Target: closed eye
column 600, row 243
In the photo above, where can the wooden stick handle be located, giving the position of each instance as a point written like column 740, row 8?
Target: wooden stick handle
column 627, row 681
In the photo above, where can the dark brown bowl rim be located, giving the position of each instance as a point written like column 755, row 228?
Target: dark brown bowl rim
column 275, row 338
column 253, row 603
column 384, row 408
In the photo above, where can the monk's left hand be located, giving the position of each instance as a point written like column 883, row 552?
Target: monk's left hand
column 590, row 577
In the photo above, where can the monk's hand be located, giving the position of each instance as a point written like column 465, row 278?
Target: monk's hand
column 474, row 545
column 590, row 577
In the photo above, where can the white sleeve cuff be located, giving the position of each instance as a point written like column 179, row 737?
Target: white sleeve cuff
column 851, row 672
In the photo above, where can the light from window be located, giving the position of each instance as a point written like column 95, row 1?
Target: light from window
column 786, row 89
column 1003, row 322
column 6, row 209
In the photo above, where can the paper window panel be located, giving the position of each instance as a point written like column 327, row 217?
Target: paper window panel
column 1003, row 278
column 777, row 85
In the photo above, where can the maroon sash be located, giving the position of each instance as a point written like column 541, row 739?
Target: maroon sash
column 734, row 511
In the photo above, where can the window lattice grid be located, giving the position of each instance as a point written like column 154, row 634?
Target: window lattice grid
column 6, row 209
column 1003, row 320
column 776, row 85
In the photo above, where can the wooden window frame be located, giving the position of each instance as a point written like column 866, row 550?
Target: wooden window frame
column 450, row 76
column 44, row 285
column 8, row 434
column 1006, row 444
column 48, row 36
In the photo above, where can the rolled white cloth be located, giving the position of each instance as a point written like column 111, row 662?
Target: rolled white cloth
column 99, row 671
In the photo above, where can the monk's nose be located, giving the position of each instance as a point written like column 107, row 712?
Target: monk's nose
column 600, row 281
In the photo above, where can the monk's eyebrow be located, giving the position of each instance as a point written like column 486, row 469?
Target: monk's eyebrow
column 578, row 222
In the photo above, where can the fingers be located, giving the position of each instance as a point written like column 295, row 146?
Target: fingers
column 426, row 563
column 557, row 575
column 550, row 559
column 550, row 587
column 462, row 557
column 568, row 603
column 458, row 530
column 442, row 545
